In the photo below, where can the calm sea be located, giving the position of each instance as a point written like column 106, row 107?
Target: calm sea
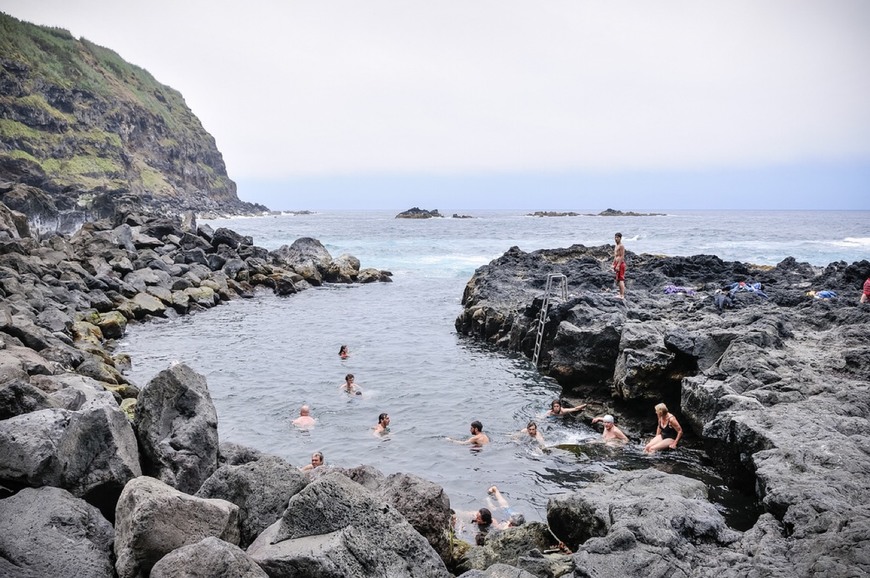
column 266, row 356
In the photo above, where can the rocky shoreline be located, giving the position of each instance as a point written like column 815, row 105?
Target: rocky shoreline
column 103, row 477
column 143, row 486
column 774, row 383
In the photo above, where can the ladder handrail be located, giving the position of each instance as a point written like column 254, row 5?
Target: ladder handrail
column 545, row 306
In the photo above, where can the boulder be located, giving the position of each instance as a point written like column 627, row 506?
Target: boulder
column 424, row 504
column 100, row 371
column 335, row 527
column 235, row 454
column 303, row 250
column 643, row 522
column 19, row 397
column 92, row 453
column 152, row 519
column 47, row 532
column 371, row 275
column 343, row 269
column 176, row 424
column 512, row 545
column 146, row 304
column 207, row 558
column 203, row 296
column 228, row 237
column 498, row 571
column 261, row 490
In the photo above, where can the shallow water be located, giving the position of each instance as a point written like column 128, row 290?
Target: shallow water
column 266, row 356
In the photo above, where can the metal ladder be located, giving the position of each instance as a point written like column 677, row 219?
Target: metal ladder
column 561, row 284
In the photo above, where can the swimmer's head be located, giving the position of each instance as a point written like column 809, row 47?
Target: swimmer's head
column 483, row 517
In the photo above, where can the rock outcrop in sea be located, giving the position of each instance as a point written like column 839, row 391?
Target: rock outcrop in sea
column 418, row 213
column 604, row 213
column 772, row 380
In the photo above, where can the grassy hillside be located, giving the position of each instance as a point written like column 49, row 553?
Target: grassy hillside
column 79, row 117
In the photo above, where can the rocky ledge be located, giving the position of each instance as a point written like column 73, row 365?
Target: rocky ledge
column 773, row 381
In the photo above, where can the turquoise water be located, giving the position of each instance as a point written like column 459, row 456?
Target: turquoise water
column 265, row 357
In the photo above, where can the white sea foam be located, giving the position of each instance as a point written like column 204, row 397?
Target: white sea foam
column 853, row 242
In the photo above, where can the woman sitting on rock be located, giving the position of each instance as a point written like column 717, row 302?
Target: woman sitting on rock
column 668, row 432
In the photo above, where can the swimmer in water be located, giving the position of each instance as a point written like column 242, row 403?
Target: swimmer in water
column 557, row 410
column 478, row 438
column 611, row 432
column 316, row 462
column 383, row 426
column 342, row 352
column 349, row 386
column 531, row 432
column 304, row 420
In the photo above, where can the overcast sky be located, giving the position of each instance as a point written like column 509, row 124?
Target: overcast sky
column 506, row 104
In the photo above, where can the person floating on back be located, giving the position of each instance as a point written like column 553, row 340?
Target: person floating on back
column 512, row 518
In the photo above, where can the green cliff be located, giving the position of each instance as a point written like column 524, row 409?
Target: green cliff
column 82, row 130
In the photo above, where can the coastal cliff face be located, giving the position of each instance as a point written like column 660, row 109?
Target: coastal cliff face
column 81, row 130
column 775, row 383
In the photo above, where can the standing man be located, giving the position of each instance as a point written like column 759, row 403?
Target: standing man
column 619, row 264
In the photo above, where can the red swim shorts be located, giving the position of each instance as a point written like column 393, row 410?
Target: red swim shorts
column 620, row 271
